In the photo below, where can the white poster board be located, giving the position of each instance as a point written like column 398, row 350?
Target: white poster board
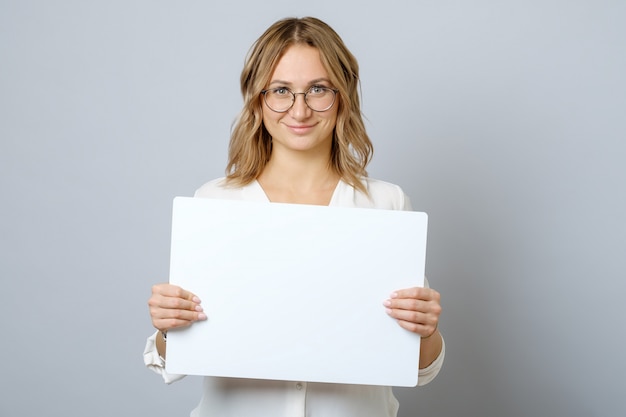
column 295, row 292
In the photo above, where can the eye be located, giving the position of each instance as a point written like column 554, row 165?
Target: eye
column 281, row 91
column 317, row 90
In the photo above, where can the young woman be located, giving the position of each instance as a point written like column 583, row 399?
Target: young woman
column 300, row 139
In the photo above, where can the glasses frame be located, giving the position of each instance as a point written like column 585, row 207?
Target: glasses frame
column 293, row 100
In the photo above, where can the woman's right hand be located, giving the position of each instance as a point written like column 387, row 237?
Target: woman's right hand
column 171, row 307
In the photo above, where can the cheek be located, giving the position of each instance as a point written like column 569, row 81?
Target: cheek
column 332, row 120
column 269, row 122
column 272, row 125
column 266, row 116
column 335, row 112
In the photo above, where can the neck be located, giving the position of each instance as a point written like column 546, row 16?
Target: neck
column 296, row 179
column 299, row 171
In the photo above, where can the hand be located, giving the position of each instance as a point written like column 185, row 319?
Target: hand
column 171, row 306
column 416, row 309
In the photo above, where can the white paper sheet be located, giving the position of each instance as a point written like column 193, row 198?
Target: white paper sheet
column 295, row 292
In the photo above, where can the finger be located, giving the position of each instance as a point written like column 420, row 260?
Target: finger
column 158, row 313
column 424, row 324
column 176, row 309
column 412, row 316
column 169, row 296
column 165, row 319
column 409, row 304
column 176, row 303
column 420, row 293
column 412, row 304
column 167, row 324
column 420, row 329
column 169, row 290
column 160, row 306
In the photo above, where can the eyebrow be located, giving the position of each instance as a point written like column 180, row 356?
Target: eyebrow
column 312, row 82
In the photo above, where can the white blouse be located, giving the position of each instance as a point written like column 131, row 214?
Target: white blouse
column 235, row 397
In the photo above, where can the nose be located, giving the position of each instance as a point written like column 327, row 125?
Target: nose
column 299, row 110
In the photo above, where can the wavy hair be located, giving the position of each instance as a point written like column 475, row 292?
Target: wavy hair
column 250, row 143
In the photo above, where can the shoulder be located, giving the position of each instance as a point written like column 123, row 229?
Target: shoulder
column 382, row 195
column 211, row 189
column 382, row 188
column 218, row 188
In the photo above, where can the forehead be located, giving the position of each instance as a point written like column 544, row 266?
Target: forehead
column 299, row 64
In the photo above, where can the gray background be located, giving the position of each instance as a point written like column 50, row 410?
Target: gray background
column 503, row 120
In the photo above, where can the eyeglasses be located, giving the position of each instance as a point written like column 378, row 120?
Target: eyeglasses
column 317, row 98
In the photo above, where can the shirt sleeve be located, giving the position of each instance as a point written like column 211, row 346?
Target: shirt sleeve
column 406, row 203
column 430, row 372
column 156, row 363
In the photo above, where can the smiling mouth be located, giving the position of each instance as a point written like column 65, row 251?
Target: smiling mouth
column 300, row 128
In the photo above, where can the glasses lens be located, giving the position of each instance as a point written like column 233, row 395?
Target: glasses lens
column 320, row 98
column 279, row 99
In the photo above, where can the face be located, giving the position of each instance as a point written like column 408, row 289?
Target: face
column 300, row 128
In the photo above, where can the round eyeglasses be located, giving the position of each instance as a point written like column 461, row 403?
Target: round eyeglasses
column 317, row 98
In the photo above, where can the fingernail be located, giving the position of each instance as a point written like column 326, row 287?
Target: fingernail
column 388, row 310
column 394, row 295
column 201, row 316
column 387, row 303
column 199, row 308
column 196, row 300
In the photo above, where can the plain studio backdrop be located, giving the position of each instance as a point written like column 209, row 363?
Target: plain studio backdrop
column 503, row 120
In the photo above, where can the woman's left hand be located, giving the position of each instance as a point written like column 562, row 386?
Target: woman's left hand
column 416, row 309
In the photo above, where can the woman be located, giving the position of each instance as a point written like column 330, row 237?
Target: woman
column 300, row 139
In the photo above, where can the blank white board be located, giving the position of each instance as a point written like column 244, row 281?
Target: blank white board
column 295, row 292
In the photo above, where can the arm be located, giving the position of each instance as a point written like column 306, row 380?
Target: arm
column 159, row 342
column 430, row 349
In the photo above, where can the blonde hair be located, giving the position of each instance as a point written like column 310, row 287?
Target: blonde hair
column 250, row 143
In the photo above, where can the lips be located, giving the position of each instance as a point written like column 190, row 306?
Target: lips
column 300, row 129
